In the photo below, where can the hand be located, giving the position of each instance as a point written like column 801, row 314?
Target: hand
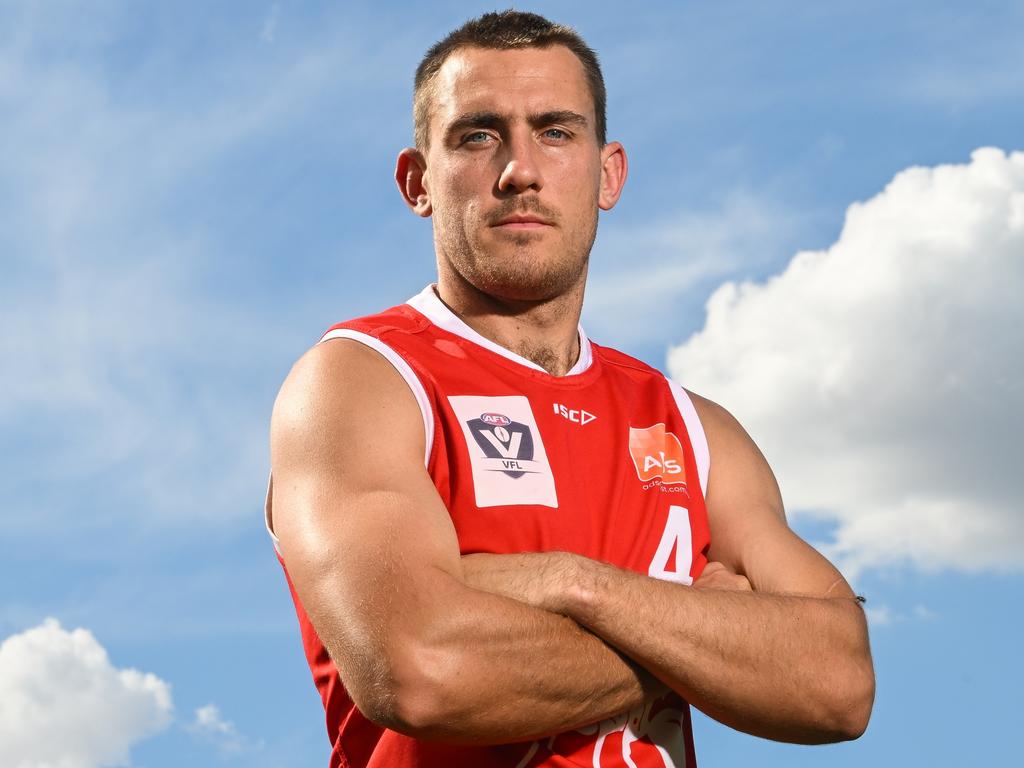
column 717, row 576
column 539, row 579
column 544, row 580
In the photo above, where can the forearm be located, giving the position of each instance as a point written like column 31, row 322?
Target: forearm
column 783, row 667
column 489, row 669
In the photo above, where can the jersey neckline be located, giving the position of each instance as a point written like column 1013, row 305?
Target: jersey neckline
column 429, row 304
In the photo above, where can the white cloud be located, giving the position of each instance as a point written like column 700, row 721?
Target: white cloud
column 211, row 725
column 208, row 720
column 923, row 613
column 883, row 377
column 63, row 705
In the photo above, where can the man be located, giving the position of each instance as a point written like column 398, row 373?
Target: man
column 509, row 546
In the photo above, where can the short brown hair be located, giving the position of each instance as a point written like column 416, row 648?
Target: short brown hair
column 505, row 31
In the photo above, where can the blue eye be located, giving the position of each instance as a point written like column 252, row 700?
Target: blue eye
column 556, row 133
column 478, row 137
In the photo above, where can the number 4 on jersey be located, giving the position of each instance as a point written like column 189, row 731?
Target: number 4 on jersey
column 676, row 540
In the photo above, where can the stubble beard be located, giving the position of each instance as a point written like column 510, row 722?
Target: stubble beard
column 521, row 268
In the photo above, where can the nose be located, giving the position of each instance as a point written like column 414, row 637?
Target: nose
column 522, row 167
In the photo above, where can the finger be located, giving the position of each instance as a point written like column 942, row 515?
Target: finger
column 743, row 583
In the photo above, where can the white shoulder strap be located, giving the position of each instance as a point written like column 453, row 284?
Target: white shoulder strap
column 695, row 429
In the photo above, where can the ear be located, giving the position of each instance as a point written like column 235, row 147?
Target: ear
column 614, row 168
column 410, row 175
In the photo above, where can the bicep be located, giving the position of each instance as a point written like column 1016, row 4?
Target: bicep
column 363, row 533
column 749, row 533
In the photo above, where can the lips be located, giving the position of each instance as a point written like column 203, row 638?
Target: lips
column 522, row 221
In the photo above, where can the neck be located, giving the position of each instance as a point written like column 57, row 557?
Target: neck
column 544, row 332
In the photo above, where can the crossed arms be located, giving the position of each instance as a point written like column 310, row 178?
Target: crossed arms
column 489, row 649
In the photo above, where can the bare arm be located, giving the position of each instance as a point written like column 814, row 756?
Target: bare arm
column 788, row 660
column 375, row 561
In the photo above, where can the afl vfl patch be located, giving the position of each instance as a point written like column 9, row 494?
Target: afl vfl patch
column 510, row 466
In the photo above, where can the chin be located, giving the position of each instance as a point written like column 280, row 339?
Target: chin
column 527, row 284
column 526, row 268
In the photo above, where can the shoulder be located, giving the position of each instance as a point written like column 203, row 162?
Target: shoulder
column 354, row 360
column 613, row 357
column 338, row 363
column 714, row 417
column 342, row 386
column 401, row 318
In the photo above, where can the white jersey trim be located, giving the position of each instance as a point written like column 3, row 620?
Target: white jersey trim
column 267, row 515
column 404, row 370
column 698, row 440
column 427, row 303
column 411, row 379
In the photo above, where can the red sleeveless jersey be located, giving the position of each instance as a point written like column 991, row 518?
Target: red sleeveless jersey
column 609, row 461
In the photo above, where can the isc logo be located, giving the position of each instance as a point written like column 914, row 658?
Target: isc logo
column 576, row 416
column 657, row 454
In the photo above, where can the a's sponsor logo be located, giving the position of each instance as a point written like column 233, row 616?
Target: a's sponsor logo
column 506, row 453
column 657, row 455
column 575, row 415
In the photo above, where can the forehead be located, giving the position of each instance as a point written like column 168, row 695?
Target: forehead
column 529, row 80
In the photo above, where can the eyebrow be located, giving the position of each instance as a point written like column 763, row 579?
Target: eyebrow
column 474, row 120
column 485, row 119
column 566, row 116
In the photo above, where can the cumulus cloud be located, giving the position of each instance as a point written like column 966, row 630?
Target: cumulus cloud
column 883, row 377
column 210, row 724
column 64, row 705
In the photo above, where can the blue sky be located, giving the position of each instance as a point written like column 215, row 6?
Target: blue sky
column 190, row 193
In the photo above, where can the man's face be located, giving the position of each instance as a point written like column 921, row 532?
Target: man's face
column 514, row 172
